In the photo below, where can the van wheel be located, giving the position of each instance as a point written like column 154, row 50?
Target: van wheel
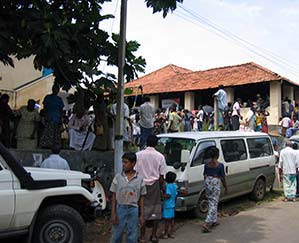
column 202, row 207
column 59, row 224
column 259, row 190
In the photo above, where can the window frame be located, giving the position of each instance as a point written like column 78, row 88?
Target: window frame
column 239, row 158
column 259, row 151
column 197, row 148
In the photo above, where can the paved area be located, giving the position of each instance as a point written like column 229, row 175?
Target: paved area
column 272, row 222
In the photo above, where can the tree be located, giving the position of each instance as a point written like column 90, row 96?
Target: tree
column 65, row 35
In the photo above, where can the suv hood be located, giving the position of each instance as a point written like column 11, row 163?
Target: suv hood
column 72, row 177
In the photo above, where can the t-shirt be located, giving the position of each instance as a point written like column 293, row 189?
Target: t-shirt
column 288, row 160
column 53, row 105
column 236, row 108
column 285, row 122
column 200, row 116
column 54, row 161
column 147, row 114
column 170, row 189
column 128, row 191
column 217, row 171
column 175, row 118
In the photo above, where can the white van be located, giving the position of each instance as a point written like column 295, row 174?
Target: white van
column 248, row 159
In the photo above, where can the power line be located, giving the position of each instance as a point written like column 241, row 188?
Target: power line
column 205, row 23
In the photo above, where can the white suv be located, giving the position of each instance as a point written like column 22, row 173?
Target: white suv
column 46, row 205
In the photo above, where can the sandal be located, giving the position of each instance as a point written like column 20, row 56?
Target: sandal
column 164, row 236
column 141, row 240
column 171, row 236
column 154, row 239
column 205, row 229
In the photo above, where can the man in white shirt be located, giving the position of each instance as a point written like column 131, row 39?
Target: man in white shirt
column 288, row 167
column 236, row 115
column 54, row 161
column 200, row 115
column 284, row 124
column 151, row 165
column 147, row 114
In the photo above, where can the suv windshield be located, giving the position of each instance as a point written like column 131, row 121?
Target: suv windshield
column 171, row 148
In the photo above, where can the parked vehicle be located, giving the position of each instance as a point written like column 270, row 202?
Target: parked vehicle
column 248, row 159
column 46, row 205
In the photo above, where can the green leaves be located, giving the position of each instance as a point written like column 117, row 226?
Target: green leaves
column 163, row 5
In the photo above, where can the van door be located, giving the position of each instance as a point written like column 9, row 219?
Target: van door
column 236, row 166
column 7, row 196
column 195, row 175
column 262, row 159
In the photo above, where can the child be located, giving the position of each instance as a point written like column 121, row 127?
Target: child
column 128, row 190
column 169, row 204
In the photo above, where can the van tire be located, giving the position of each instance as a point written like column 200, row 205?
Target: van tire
column 61, row 222
column 202, row 207
column 259, row 190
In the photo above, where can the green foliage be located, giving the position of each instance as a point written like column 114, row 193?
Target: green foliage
column 65, row 35
column 163, row 5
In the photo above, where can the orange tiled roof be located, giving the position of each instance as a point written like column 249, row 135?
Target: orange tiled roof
column 176, row 79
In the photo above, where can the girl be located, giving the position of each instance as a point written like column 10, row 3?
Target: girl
column 169, row 204
column 213, row 174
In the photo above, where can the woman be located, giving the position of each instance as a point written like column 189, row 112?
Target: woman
column 213, row 174
column 80, row 136
column 27, row 126
column 53, row 106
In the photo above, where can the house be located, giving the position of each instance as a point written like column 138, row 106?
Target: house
column 192, row 89
column 24, row 82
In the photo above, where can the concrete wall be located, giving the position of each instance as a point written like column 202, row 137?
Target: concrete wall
column 23, row 72
column 77, row 160
column 37, row 91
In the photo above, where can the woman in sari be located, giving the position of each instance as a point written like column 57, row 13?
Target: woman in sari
column 27, row 126
column 53, row 106
column 214, row 174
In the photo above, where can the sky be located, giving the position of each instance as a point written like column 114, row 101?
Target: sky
column 204, row 34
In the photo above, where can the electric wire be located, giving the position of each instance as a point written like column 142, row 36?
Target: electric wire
column 208, row 25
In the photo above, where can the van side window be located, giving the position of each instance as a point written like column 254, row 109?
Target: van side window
column 233, row 150
column 259, row 147
column 201, row 156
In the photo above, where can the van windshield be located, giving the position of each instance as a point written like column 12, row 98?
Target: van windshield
column 171, row 148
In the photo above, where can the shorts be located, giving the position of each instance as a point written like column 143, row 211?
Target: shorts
column 168, row 213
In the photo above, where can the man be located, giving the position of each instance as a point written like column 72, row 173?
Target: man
column 288, row 167
column 54, row 161
column 200, row 115
column 220, row 95
column 147, row 114
column 6, row 115
column 174, row 120
column 236, row 115
column 126, row 123
column 151, row 166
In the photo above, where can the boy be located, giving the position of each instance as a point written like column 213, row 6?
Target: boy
column 128, row 190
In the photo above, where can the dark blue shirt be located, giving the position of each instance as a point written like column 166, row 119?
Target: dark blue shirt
column 53, row 105
column 217, row 171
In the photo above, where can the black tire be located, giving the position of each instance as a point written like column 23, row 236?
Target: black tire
column 259, row 190
column 59, row 224
column 202, row 207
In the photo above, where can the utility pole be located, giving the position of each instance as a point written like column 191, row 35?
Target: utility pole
column 118, row 149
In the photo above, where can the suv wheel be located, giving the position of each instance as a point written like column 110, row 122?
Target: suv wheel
column 259, row 190
column 59, row 224
column 202, row 207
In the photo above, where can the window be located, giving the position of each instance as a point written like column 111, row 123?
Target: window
column 201, row 155
column 259, row 147
column 233, row 150
column 171, row 148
